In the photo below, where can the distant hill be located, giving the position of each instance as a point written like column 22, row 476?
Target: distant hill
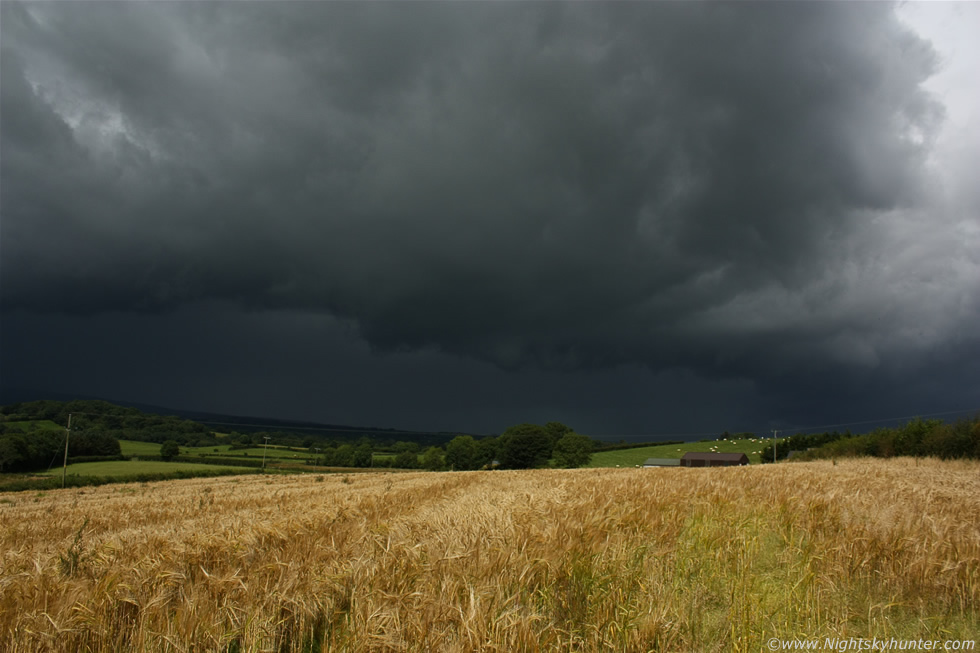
column 222, row 423
column 23, row 395
column 242, row 424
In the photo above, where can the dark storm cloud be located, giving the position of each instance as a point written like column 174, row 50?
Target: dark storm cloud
column 739, row 189
column 289, row 363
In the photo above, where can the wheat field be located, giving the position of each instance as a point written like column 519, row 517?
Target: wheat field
column 578, row 560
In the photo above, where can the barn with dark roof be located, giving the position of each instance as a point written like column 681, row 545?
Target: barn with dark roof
column 712, row 459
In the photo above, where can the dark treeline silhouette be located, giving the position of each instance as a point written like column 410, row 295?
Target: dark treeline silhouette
column 24, row 449
column 934, row 437
column 99, row 416
column 31, row 434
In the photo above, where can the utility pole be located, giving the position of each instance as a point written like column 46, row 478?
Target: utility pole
column 264, row 448
column 64, row 469
column 774, row 434
column 316, row 461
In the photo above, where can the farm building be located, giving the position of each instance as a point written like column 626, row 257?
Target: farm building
column 662, row 462
column 711, row 459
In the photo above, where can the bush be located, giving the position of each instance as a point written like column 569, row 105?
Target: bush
column 406, row 460
column 432, row 459
column 525, row 446
column 916, row 438
column 573, row 450
column 461, row 453
column 169, row 450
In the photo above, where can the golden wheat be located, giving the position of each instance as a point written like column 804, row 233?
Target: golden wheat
column 602, row 559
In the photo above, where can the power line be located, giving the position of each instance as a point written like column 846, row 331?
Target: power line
column 64, row 469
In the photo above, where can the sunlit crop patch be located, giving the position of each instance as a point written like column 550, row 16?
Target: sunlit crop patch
column 594, row 559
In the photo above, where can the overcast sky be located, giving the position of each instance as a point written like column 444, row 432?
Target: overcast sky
column 635, row 218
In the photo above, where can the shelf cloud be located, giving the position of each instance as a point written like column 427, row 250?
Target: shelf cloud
column 749, row 191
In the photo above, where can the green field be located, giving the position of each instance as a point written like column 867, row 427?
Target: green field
column 131, row 448
column 216, row 450
column 635, row 457
column 273, row 453
column 126, row 468
column 40, row 425
column 620, row 458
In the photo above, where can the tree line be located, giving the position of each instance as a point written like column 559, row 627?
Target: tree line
column 35, row 448
column 96, row 416
column 523, row 446
column 934, row 437
column 97, row 427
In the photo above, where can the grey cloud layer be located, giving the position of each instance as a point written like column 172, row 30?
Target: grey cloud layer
column 736, row 188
